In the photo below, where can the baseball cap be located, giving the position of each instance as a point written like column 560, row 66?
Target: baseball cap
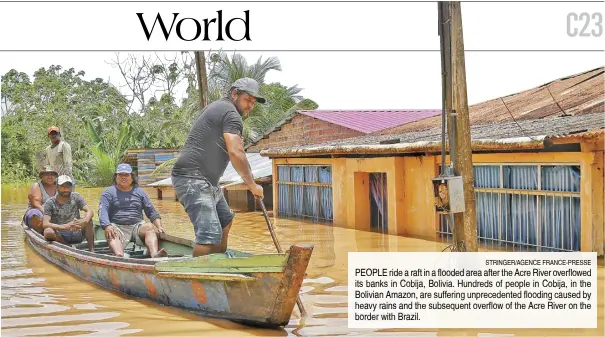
column 250, row 86
column 64, row 179
column 46, row 169
column 124, row 168
column 53, row 128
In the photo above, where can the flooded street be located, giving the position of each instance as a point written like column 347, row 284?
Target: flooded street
column 41, row 299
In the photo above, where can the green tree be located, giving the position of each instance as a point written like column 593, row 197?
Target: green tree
column 100, row 122
column 54, row 97
column 282, row 101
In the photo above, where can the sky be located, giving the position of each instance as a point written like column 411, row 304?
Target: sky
column 364, row 80
column 371, row 79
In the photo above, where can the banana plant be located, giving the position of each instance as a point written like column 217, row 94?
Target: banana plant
column 106, row 153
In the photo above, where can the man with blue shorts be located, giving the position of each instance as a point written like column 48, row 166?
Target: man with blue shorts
column 62, row 220
column 214, row 140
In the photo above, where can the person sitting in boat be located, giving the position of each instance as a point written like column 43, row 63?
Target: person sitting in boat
column 39, row 192
column 62, row 220
column 121, row 215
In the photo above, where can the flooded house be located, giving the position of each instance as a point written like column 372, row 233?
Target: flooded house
column 537, row 164
column 303, row 127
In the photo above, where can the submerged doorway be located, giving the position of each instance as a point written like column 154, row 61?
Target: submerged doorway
column 378, row 203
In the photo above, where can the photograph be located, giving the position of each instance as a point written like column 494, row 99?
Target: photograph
column 302, row 168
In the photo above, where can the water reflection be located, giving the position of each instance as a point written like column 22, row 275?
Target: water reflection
column 40, row 299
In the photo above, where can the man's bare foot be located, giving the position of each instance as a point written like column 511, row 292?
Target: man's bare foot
column 161, row 253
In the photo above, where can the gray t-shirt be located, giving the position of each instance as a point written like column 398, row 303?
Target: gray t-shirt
column 205, row 153
column 61, row 214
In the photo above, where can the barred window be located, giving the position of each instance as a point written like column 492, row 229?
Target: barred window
column 531, row 205
column 305, row 191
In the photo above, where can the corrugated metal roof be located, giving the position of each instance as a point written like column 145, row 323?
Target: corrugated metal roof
column 526, row 132
column 578, row 94
column 262, row 167
column 362, row 119
column 368, row 121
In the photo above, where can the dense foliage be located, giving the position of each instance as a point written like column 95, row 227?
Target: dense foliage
column 101, row 122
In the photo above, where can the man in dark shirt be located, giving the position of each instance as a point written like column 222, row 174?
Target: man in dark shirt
column 215, row 139
column 121, row 213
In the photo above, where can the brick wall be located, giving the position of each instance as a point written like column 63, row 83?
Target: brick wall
column 304, row 130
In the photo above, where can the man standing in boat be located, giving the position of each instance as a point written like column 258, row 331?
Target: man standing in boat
column 121, row 213
column 39, row 192
column 62, row 220
column 215, row 139
column 58, row 153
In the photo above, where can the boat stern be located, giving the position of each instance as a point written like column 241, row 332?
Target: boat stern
column 294, row 274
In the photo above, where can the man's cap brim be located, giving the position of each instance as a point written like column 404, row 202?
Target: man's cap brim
column 260, row 99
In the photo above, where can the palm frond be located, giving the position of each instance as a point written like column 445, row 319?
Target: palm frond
column 259, row 70
column 165, row 167
column 122, row 144
column 92, row 132
column 104, row 166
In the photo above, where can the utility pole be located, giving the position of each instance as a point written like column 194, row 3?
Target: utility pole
column 202, row 78
column 446, row 70
column 456, row 105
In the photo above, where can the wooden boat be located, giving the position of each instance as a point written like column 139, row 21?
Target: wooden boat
column 258, row 290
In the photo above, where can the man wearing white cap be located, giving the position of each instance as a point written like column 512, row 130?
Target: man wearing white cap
column 62, row 221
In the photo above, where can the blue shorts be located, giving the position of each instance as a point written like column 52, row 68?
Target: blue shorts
column 72, row 237
column 206, row 206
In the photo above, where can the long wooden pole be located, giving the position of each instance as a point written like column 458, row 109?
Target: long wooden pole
column 303, row 312
column 465, row 223
column 202, row 78
column 447, row 65
column 448, row 120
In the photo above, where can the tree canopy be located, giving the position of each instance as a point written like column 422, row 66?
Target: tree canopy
column 101, row 122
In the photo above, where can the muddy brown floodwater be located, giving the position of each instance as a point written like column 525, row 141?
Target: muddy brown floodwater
column 41, row 299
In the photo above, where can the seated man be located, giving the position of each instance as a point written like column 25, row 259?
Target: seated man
column 39, row 192
column 62, row 220
column 121, row 215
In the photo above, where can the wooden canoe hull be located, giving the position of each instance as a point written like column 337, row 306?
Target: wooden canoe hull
column 258, row 298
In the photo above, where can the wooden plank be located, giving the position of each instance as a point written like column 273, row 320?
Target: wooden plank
column 173, row 247
column 275, row 190
column 235, row 270
column 222, row 263
column 586, row 183
column 597, row 192
column 178, row 244
column 527, row 192
column 222, row 260
column 210, row 276
column 163, row 157
column 304, row 184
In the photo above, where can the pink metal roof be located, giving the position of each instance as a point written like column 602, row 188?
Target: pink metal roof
column 369, row 121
